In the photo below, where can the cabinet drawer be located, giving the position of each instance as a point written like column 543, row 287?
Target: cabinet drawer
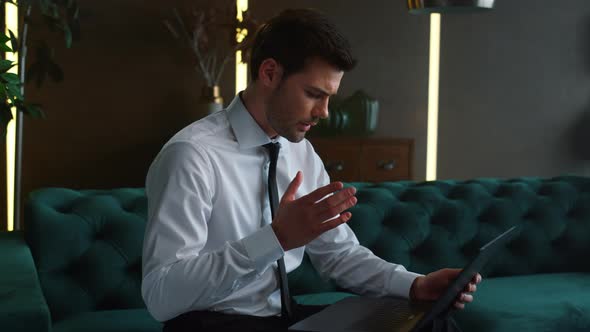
column 385, row 162
column 366, row 159
column 341, row 161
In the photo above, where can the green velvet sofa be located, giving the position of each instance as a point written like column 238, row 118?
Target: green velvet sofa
column 77, row 267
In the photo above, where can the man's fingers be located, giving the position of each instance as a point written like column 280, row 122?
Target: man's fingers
column 332, row 211
column 459, row 305
column 322, row 192
column 330, row 224
column 471, row 287
column 477, row 279
column 293, row 186
column 462, row 299
column 465, row 298
column 339, row 197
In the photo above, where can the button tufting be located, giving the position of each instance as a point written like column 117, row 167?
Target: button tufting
column 64, row 209
column 422, row 226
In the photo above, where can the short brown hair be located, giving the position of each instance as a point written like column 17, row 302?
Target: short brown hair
column 297, row 35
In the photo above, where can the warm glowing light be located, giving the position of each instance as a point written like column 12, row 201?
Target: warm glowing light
column 241, row 68
column 11, row 19
column 241, row 34
column 433, row 85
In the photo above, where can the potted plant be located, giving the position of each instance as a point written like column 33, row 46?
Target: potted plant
column 59, row 15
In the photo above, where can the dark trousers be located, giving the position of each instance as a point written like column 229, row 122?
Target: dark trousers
column 210, row 321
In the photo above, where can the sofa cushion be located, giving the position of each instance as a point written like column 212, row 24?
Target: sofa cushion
column 87, row 248
column 541, row 302
column 22, row 305
column 130, row 320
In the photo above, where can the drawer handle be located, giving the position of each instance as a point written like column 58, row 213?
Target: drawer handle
column 386, row 165
column 335, row 166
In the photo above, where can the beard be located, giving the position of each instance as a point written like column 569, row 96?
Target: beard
column 285, row 128
column 280, row 117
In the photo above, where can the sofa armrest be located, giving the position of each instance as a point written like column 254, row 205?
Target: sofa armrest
column 22, row 305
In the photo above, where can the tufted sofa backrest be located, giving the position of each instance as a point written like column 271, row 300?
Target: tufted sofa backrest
column 87, row 247
column 431, row 225
column 87, row 244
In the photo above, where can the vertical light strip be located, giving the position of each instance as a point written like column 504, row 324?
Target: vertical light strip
column 241, row 68
column 433, row 90
column 11, row 19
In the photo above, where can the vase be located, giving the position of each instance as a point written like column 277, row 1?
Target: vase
column 362, row 112
column 210, row 100
column 355, row 115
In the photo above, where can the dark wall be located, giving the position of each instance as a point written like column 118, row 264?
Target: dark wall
column 515, row 90
column 129, row 86
column 514, row 84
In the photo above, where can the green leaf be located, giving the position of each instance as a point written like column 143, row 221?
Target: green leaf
column 5, row 117
column 31, row 72
column 19, row 104
column 36, row 72
column 68, row 36
column 34, row 110
column 4, row 38
column 14, row 90
column 5, row 48
column 5, row 65
column 11, row 78
column 13, row 40
column 44, row 7
column 54, row 11
column 76, row 15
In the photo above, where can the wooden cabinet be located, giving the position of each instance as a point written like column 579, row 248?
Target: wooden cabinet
column 366, row 159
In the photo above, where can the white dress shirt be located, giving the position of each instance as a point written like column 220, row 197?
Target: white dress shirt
column 208, row 243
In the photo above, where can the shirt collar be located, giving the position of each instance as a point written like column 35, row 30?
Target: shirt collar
column 247, row 132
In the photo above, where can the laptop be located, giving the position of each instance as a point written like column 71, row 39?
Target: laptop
column 364, row 314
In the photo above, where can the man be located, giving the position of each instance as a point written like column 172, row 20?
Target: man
column 211, row 245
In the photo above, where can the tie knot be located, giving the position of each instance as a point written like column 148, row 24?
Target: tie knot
column 273, row 150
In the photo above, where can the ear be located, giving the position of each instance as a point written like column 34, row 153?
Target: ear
column 270, row 73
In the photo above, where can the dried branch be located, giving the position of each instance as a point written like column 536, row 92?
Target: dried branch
column 204, row 32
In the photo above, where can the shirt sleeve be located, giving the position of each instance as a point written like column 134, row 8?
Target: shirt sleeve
column 337, row 254
column 177, row 276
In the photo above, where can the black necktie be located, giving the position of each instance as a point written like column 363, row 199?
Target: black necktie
column 273, row 197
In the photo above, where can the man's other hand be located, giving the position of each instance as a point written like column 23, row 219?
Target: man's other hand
column 298, row 221
column 431, row 286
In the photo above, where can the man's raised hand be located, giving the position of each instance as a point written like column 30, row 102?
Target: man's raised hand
column 299, row 221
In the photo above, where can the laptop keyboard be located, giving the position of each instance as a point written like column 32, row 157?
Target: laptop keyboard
column 385, row 318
